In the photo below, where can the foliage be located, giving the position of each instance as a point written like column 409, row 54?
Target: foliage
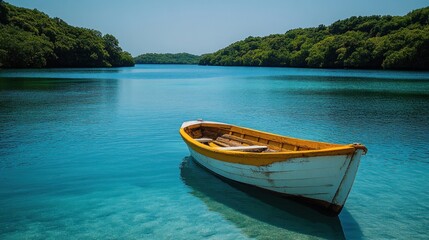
column 30, row 39
column 388, row 42
column 167, row 58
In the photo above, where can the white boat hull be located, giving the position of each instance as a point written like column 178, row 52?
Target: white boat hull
column 326, row 179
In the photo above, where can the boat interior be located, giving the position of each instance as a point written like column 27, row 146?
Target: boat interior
column 233, row 138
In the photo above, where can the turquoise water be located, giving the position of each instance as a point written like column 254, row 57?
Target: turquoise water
column 90, row 153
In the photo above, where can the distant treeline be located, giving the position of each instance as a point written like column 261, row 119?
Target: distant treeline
column 374, row 42
column 30, row 39
column 167, row 58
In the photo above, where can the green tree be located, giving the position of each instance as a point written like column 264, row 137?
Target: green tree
column 167, row 58
column 29, row 38
column 390, row 42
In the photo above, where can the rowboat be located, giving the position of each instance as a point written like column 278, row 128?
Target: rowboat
column 318, row 173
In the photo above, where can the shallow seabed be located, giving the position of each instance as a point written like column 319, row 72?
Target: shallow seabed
column 95, row 153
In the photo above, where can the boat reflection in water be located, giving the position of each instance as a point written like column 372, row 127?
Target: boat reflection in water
column 258, row 214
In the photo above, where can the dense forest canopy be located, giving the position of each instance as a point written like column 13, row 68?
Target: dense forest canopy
column 31, row 39
column 167, row 58
column 374, row 42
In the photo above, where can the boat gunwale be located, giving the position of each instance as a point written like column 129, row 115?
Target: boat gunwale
column 274, row 156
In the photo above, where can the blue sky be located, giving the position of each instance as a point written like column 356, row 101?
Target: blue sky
column 203, row 26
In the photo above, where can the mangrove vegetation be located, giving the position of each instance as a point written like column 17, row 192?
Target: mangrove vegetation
column 167, row 58
column 31, row 39
column 373, row 42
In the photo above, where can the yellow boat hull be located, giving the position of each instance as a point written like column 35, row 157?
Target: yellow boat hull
column 320, row 173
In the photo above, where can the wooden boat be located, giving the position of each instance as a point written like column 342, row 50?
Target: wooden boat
column 319, row 173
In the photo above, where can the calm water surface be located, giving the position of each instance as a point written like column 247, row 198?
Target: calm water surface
column 90, row 153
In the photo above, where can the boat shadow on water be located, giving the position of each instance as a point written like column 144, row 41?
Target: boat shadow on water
column 258, row 214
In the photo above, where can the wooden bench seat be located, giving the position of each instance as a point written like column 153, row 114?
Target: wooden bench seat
column 245, row 148
column 229, row 144
column 203, row 140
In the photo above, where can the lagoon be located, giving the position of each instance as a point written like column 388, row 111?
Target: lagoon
column 95, row 153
